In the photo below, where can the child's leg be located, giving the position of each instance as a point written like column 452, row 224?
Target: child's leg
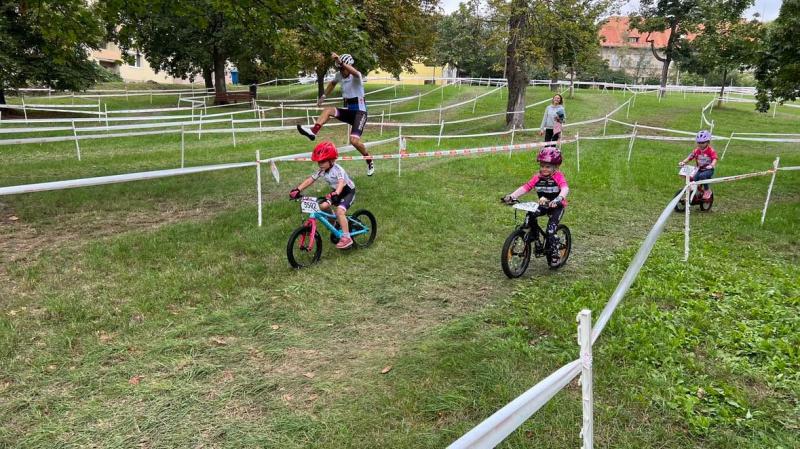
column 552, row 223
column 703, row 175
column 341, row 215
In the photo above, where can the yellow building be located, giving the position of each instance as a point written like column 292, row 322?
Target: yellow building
column 423, row 74
column 110, row 57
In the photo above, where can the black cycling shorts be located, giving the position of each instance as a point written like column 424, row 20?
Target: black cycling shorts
column 356, row 119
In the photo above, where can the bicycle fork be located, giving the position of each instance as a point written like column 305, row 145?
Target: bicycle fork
column 313, row 223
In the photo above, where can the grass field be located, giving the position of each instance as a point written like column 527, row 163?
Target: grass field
column 158, row 314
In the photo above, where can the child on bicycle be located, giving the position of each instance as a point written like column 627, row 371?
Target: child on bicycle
column 706, row 159
column 344, row 189
column 551, row 186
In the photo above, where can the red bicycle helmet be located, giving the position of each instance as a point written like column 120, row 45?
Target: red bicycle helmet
column 324, row 151
column 549, row 155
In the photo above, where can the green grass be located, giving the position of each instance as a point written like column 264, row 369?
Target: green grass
column 172, row 280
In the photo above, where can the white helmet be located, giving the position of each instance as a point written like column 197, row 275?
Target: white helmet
column 346, row 59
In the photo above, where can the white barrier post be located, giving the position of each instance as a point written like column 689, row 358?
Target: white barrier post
column 686, row 221
column 24, row 110
column 584, row 319
column 628, row 110
column 281, row 114
column 633, row 138
column 233, row 132
column 775, row 111
column 441, row 130
column 605, row 123
column 308, row 118
column 77, row 145
column 769, row 191
column 183, row 146
column 513, row 129
column 105, row 105
column 200, row 128
column 578, row 143
column 726, row 145
column 99, row 112
column 474, row 103
column 419, row 101
column 258, row 186
column 382, row 122
column 400, row 147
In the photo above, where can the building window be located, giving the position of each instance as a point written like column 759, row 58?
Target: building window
column 633, row 40
column 137, row 59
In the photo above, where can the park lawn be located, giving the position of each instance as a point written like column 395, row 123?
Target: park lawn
column 158, row 314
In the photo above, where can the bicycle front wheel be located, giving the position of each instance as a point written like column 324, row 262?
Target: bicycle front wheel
column 516, row 255
column 302, row 250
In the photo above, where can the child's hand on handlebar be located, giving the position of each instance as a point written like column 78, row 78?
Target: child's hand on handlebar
column 681, row 164
column 543, row 201
column 294, row 194
column 508, row 199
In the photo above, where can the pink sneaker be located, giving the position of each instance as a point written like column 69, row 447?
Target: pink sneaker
column 344, row 243
column 706, row 195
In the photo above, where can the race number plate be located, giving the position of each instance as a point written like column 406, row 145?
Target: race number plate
column 529, row 207
column 309, row 205
column 688, row 170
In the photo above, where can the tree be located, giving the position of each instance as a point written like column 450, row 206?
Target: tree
column 724, row 46
column 466, row 40
column 680, row 18
column 47, row 43
column 778, row 67
column 389, row 34
column 554, row 33
column 188, row 37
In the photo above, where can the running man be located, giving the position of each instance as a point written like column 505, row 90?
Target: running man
column 354, row 111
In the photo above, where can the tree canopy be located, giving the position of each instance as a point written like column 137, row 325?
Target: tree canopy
column 47, row 43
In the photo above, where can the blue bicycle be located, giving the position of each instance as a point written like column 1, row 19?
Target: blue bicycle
column 305, row 244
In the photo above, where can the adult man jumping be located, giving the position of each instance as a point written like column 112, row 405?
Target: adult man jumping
column 354, row 111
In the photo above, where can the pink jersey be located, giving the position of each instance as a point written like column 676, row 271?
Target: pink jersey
column 704, row 157
column 549, row 187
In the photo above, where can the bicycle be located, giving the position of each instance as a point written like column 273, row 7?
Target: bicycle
column 303, row 251
column 516, row 254
column 696, row 193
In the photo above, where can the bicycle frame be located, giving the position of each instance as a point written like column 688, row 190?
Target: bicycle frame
column 326, row 217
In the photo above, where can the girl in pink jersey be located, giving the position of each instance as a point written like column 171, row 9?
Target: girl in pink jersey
column 552, row 189
column 706, row 159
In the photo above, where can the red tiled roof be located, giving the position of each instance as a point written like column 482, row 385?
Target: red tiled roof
column 615, row 33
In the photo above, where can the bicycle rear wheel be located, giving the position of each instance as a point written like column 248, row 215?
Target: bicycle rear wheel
column 361, row 220
column 516, row 254
column 301, row 250
column 705, row 205
column 564, row 248
column 681, row 205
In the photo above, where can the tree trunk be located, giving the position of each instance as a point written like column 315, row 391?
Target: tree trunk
column 219, row 75
column 722, row 89
column 516, row 73
column 321, row 71
column 2, row 96
column 208, row 77
column 571, row 82
column 662, row 91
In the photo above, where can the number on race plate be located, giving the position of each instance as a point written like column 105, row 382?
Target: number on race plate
column 530, row 207
column 309, row 205
column 688, row 170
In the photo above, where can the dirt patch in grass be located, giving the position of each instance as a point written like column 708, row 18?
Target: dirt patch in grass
column 20, row 241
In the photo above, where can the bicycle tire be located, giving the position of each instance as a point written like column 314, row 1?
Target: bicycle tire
column 511, row 248
column 564, row 247
column 363, row 217
column 298, row 256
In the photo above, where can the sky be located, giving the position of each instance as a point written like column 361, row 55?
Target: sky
column 768, row 9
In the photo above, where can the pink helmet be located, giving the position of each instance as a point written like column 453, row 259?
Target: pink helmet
column 549, row 155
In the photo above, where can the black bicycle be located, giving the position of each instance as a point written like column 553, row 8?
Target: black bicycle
column 530, row 239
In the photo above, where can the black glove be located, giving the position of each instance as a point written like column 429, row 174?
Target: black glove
column 507, row 199
column 334, row 197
